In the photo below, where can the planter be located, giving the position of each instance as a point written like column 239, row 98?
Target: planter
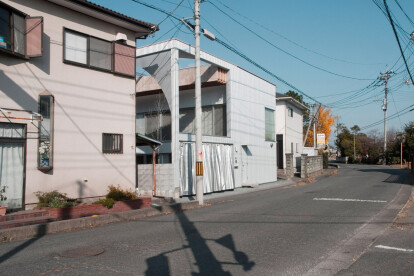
column 98, row 209
column 3, row 210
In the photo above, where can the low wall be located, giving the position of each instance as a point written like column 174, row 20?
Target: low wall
column 289, row 165
column 164, row 180
column 98, row 209
column 310, row 165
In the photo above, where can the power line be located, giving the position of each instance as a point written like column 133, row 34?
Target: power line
column 398, row 41
column 284, row 51
column 287, row 39
column 168, row 15
column 409, row 19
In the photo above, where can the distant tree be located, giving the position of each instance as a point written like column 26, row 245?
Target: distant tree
column 324, row 123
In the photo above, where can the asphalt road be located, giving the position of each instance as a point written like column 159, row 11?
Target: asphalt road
column 320, row 228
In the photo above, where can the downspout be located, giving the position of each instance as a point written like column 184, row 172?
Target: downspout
column 154, row 181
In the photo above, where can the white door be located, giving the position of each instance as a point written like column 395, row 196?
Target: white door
column 12, row 146
column 245, row 164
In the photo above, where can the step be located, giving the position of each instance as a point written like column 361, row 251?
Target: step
column 24, row 215
column 26, row 221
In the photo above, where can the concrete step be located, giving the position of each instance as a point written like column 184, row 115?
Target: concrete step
column 25, row 221
column 23, row 215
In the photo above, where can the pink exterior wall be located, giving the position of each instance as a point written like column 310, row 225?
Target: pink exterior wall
column 87, row 103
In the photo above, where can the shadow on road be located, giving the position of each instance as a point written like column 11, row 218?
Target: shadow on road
column 205, row 260
column 41, row 231
column 397, row 176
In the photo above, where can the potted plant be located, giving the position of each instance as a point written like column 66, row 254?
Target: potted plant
column 3, row 198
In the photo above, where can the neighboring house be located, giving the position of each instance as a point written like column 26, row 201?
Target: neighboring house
column 67, row 104
column 289, row 129
column 238, row 122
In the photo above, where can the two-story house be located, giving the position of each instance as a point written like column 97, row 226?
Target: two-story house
column 289, row 129
column 238, row 122
column 67, row 98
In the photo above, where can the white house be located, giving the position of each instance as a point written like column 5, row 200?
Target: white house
column 67, row 98
column 238, row 109
column 289, row 129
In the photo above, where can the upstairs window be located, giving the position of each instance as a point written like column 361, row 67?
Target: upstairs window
column 290, row 112
column 269, row 124
column 213, row 119
column 20, row 34
column 92, row 52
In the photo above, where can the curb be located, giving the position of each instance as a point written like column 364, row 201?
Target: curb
column 39, row 230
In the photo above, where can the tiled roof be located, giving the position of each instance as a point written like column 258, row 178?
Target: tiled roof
column 116, row 14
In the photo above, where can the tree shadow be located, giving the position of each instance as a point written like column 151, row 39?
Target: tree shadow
column 397, row 176
column 205, row 260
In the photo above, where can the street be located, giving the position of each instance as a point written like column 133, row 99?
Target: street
column 320, row 228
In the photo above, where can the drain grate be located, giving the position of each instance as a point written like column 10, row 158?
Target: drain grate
column 82, row 252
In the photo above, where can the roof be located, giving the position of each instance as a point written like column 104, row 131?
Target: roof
column 142, row 28
column 145, row 140
column 188, row 51
column 283, row 97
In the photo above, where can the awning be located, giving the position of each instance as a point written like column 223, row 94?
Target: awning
column 142, row 140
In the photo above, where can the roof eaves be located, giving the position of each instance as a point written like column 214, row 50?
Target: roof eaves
column 152, row 27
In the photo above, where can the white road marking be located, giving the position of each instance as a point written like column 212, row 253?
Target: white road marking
column 350, row 200
column 394, row 248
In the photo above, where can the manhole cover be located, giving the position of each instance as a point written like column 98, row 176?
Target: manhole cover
column 82, row 252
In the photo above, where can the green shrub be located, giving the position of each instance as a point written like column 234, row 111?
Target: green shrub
column 107, row 202
column 118, row 194
column 54, row 199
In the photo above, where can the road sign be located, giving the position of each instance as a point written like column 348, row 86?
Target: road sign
column 320, row 140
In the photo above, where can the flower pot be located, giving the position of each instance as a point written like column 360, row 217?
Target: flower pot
column 3, row 210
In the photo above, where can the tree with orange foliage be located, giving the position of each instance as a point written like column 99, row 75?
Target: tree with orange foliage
column 324, row 122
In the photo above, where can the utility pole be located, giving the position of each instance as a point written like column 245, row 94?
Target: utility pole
column 198, row 128
column 384, row 77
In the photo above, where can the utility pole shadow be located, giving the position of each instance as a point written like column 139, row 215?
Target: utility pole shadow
column 205, row 260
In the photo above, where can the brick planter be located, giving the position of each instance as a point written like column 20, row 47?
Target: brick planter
column 98, row 209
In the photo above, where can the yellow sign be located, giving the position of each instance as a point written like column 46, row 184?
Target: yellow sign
column 320, row 140
column 199, row 168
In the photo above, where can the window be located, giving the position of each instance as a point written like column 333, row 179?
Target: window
column 20, row 34
column 154, row 125
column 112, row 143
column 290, row 112
column 45, row 152
column 213, row 120
column 269, row 124
column 92, row 52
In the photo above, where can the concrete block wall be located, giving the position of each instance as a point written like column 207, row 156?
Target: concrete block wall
column 164, row 178
column 310, row 165
column 289, row 165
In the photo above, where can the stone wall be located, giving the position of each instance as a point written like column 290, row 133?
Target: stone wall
column 310, row 165
column 289, row 165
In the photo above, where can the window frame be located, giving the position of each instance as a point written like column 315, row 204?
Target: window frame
column 274, row 127
column 112, row 150
column 290, row 111
column 51, row 136
column 88, row 48
column 213, row 107
column 12, row 11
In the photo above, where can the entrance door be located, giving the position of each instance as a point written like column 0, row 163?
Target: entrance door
column 12, row 160
column 279, row 141
column 245, row 164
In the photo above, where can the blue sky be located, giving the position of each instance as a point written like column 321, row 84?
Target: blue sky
column 351, row 38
